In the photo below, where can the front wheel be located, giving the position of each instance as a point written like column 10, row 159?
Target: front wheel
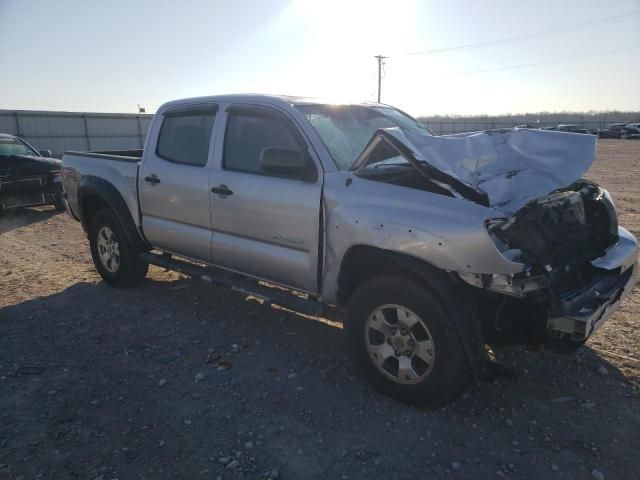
column 404, row 341
column 58, row 202
column 114, row 256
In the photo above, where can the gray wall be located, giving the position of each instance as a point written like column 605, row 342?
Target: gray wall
column 61, row 131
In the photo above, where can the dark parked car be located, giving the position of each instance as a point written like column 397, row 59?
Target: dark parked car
column 631, row 131
column 614, row 130
column 27, row 177
column 572, row 129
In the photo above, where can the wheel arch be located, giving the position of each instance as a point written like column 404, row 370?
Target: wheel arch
column 95, row 194
column 362, row 262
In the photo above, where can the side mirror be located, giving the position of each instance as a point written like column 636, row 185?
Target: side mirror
column 287, row 162
column 45, row 153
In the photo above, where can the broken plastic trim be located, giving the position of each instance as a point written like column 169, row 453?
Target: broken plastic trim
column 434, row 175
column 587, row 312
column 512, row 285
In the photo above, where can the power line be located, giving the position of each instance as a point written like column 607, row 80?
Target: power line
column 535, row 64
column 520, row 38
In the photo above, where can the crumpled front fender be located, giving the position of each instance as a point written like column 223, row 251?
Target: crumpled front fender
column 445, row 232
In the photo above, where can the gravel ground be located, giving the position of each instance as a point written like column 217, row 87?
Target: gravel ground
column 177, row 379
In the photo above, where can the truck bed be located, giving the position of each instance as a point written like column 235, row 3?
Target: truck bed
column 118, row 167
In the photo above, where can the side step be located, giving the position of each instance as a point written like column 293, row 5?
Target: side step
column 234, row 281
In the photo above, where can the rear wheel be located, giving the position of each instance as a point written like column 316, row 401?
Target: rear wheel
column 114, row 256
column 405, row 343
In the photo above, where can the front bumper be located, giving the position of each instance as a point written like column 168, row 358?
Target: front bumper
column 579, row 313
column 29, row 190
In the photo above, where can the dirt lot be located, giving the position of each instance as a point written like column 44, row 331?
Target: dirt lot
column 176, row 379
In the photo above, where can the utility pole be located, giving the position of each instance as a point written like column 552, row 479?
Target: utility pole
column 380, row 59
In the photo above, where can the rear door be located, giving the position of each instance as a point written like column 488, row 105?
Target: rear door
column 264, row 225
column 174, row 183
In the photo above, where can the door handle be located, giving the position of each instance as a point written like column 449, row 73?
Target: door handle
column 222, row 190
column 152, row 179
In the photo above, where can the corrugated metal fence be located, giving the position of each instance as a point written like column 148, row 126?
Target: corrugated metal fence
column 61, row 131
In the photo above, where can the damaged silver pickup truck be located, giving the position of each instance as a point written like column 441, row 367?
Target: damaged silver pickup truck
column 433, row 246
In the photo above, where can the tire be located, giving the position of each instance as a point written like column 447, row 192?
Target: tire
column 58, row 202
column 119, row 265
column 435, row 383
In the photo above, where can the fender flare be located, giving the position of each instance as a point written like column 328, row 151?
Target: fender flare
column 101, row 188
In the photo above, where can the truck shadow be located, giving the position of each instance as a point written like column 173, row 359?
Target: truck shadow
column 169, row 353
column 20, row 217
column 202, row 325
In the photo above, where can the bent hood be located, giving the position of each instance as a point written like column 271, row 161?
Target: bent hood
column 512, row 167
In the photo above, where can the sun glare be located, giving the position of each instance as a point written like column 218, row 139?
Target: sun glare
column 339, row 42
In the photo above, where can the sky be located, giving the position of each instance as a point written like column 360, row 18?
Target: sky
column 110, row 56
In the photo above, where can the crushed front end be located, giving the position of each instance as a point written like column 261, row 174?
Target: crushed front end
column 29, row 181
column 558, row 231
column 578, row 265
column 27, row 191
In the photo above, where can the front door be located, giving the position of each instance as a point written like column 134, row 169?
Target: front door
column 174, row 183
column 264, row 225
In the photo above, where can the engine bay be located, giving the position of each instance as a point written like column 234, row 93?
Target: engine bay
column 560, row 231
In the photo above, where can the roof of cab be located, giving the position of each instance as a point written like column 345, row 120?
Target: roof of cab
column 281, row 100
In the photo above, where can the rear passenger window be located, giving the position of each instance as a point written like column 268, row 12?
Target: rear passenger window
column 247, row 135
column 185, row 137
